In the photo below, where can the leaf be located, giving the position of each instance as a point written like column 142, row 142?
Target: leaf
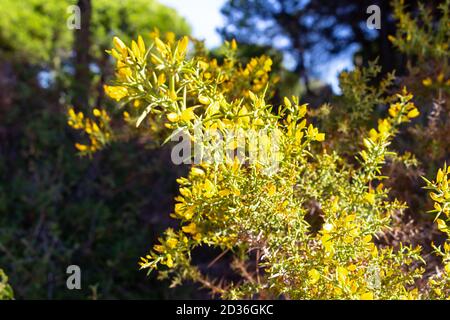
column 144, row 114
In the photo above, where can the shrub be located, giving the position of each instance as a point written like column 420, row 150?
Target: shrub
column 440, row 194
column 298, row 220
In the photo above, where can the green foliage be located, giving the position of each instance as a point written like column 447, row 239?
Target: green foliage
column 129, row 17
column 422, row 35
column 43, row 34
column 440, row 194
column 361, row 96
column 6, row 292
column 425, row 39
column 352, row 113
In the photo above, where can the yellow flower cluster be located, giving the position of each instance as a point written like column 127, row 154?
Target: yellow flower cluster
column 400, row 112
column 98, row 131
column 116, row 92
column 404, row 110
column 234, row 79
column 440, row 80
column 440, row 193
column 423, row 35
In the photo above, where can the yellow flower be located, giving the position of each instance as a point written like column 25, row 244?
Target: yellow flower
column 119, row 44
column 413, row 113
column 327, row 243
column 367, row 296
column 384, row 126
column 287, row 103
column 123, row 71
column 394, row 110
column 81, row 147
column 170, row 37
column 182, row 47
column 314, row 134
column 96, row 112
column 71, row 113
column 116, row 92
column 351, row 268
column 367, row 238
column 160, row 46
column 169, row 261
column 141, row 44
column 209, row 188
column 135, row 49
column 440, row 175
column 197, row 171
column 370, row 197
column 171, row 243
column 314, row 276
column 271, row 190
column 320, row 137
column 190, row 228
column 233, row 44
column 187, row 114
column 185, row 192
column 427, row 82
column 441, row 225
column 161, row 79
column 447, row 268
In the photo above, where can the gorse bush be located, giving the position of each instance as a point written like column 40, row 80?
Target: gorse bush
column 295, row 218
column 440, row 193
column 425, row 41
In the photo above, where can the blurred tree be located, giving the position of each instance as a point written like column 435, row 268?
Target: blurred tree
column 44, row 40
column 42, row 35
column 307, row 30
column 81, row 48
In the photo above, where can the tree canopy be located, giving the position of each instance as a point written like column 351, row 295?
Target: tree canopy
column 309, row 31
column 44, row 34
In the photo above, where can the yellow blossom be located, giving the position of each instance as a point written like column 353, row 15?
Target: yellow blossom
column 171, row 243
column 116, row 92
column 190, row 228
column 81, row 147
column 427, row 82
